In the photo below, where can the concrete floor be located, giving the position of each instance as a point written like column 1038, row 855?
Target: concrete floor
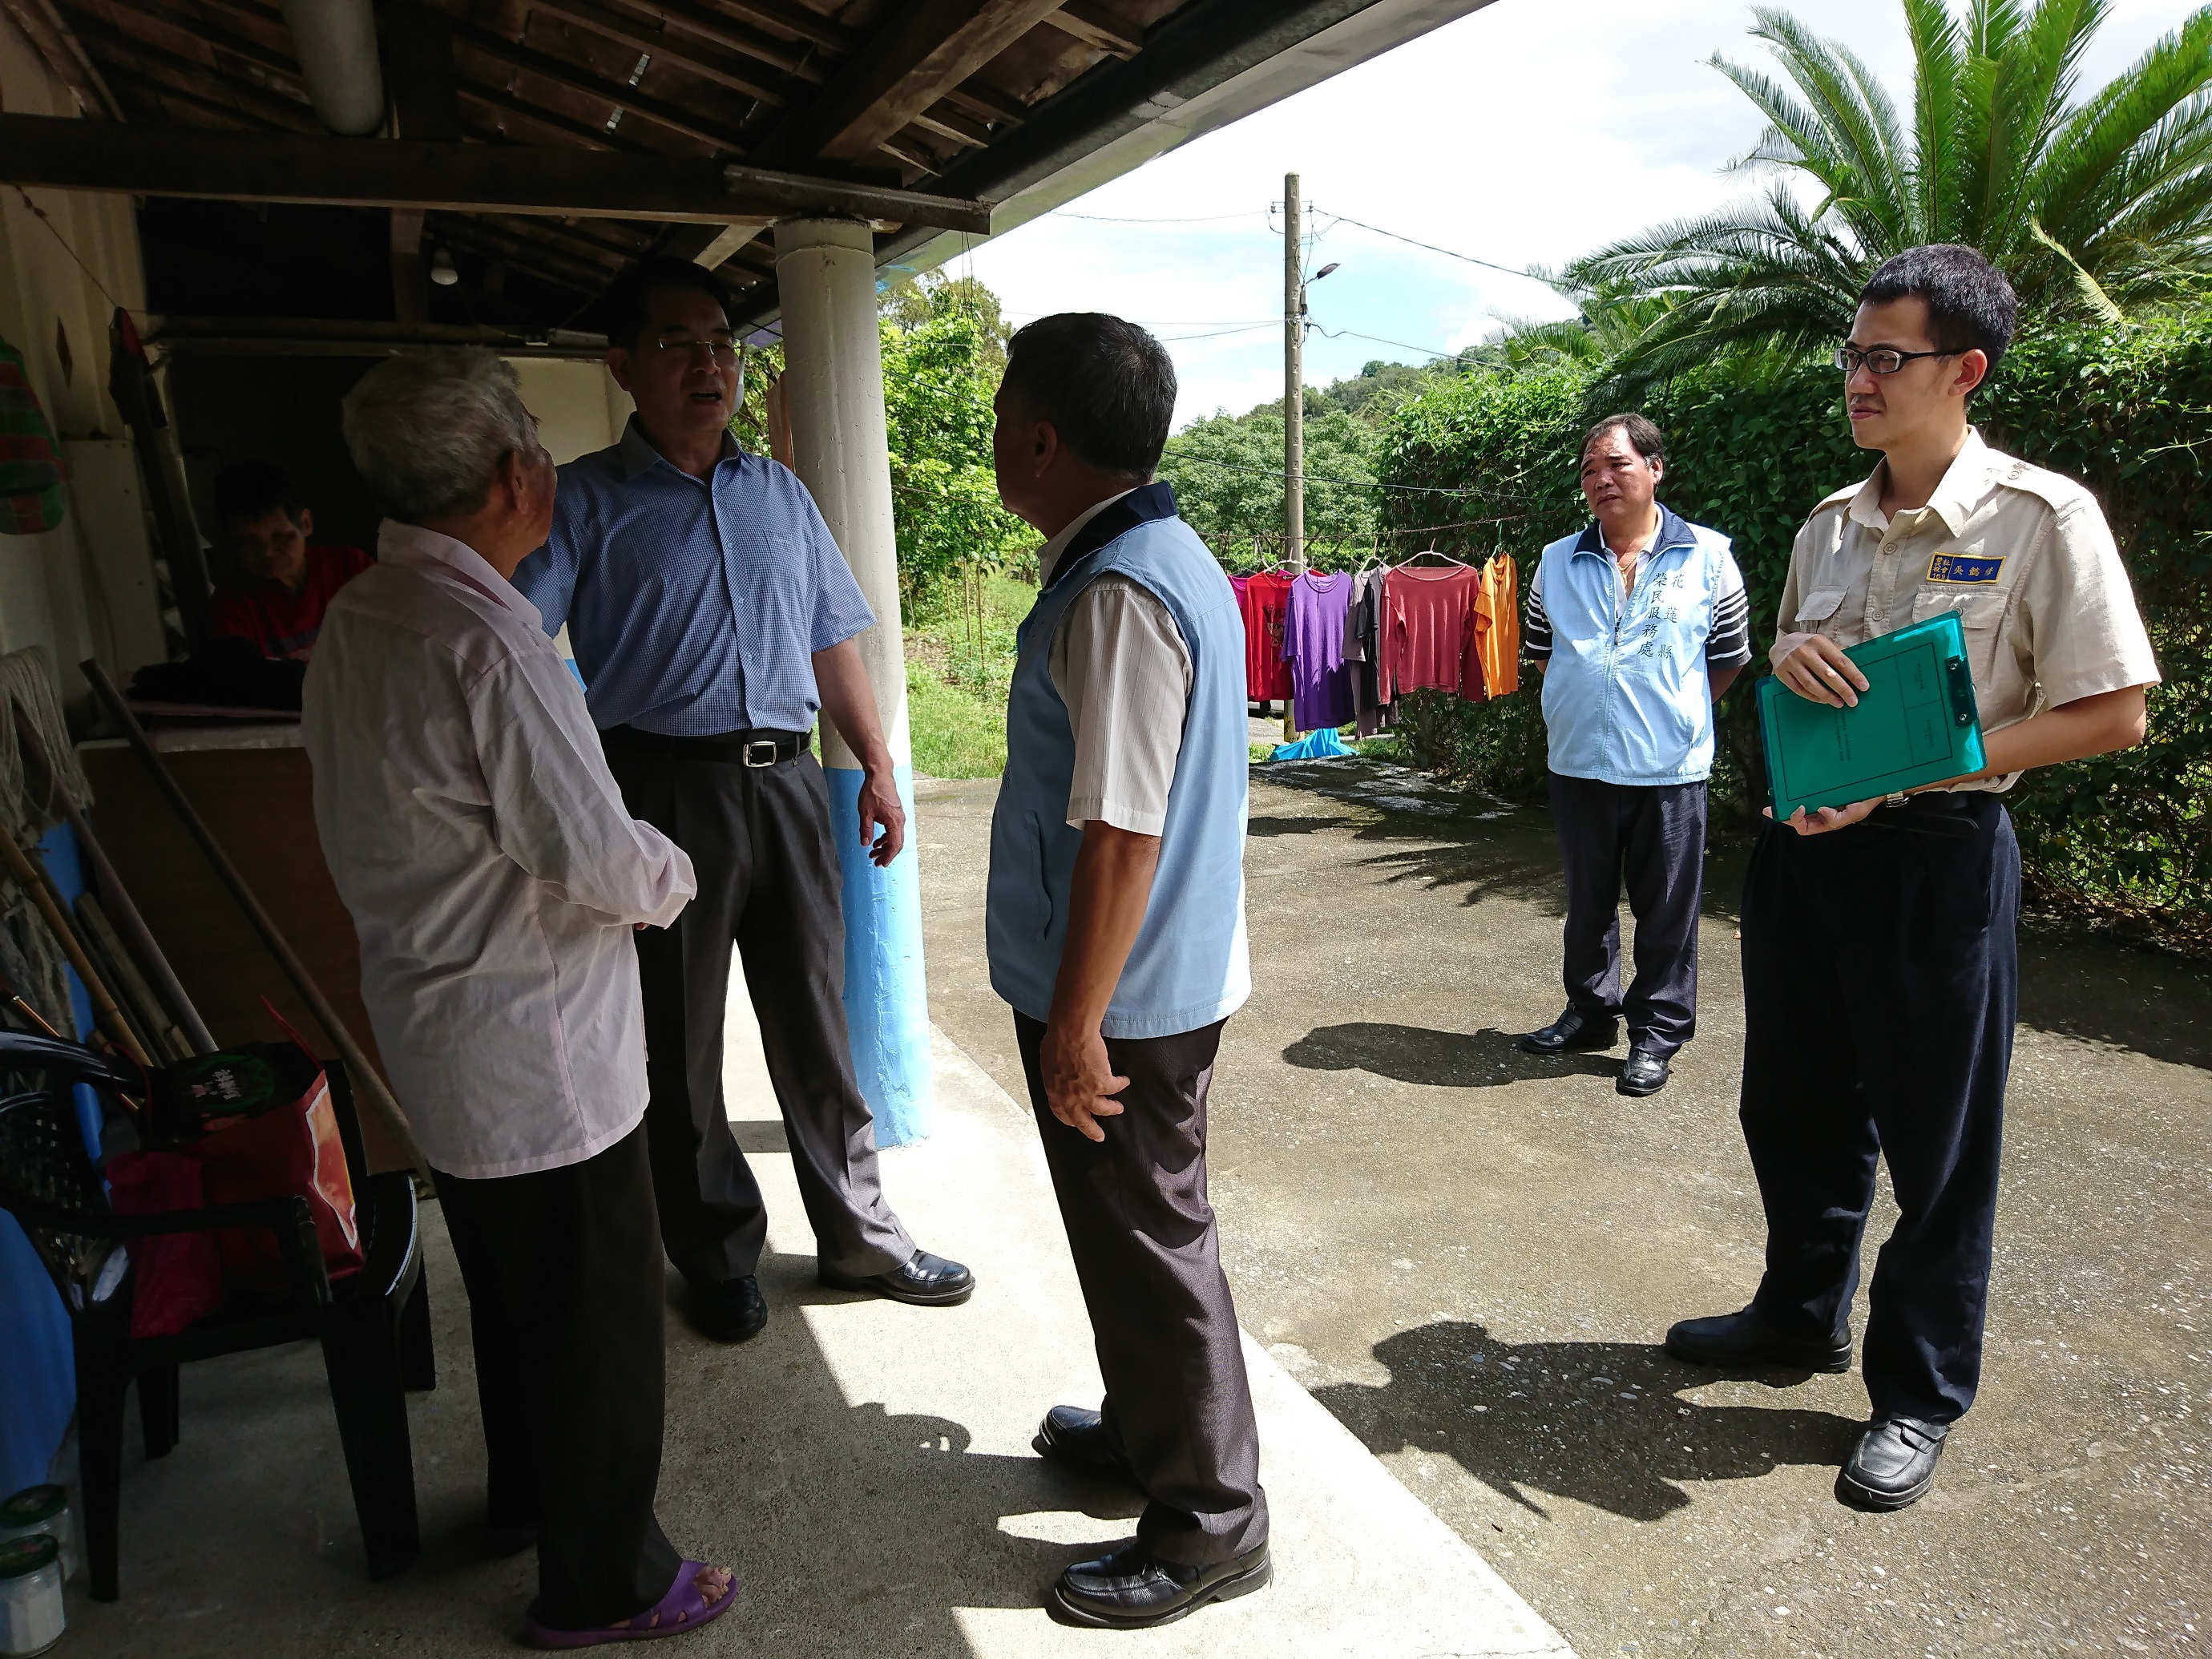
column 865, row 1468
column 1470, row 1257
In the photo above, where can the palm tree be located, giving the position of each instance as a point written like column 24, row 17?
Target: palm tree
column 2093, row 209
column 1611, row 316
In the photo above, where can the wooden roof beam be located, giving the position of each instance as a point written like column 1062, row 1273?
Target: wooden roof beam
column 214, row 40
column 927, row 49
column 640, row 36
column 613, row 93
column 253, row 98
column 1094, row 27
column 63, row 152
column 801, row 57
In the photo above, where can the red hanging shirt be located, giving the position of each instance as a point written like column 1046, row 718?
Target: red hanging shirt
column 1266, row 604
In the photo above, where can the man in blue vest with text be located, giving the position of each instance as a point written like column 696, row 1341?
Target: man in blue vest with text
column 1116, row 931
column 1638, row 625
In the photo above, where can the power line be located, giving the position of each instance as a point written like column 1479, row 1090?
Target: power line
column 1354, row 333
column 1247, row 328
column 1431, row 247
column 1202, row 219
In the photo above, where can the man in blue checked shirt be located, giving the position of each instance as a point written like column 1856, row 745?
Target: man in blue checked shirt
column 1638, row 625
column 712, row 617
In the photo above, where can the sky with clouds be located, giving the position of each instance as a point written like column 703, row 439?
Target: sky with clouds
column 1526, row 133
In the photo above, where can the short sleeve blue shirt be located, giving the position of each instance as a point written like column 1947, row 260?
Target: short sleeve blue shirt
column 693, row 606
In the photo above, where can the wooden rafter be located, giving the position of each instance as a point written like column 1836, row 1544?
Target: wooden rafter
column 613, row 93
column 205, row 34
column 1095, row 27
column 66, row 154
column 927, row 48
column 797, row 22
column 199, row 78
column 801, row 57
column 640, row 35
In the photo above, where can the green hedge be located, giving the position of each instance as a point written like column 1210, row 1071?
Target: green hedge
column 2127, row 838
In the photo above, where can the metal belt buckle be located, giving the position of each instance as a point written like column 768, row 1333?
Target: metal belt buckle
column 761, row 746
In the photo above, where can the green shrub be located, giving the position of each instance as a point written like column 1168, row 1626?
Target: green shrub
column 2127, row 410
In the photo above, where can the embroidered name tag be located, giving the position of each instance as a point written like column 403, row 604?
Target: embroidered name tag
column 1959, row 570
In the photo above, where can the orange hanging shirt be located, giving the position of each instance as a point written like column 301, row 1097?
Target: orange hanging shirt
column 1497, row 625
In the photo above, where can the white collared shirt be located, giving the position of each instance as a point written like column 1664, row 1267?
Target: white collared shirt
column 1120, row 664
column 494, row 875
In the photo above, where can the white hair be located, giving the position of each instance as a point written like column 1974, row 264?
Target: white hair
column 427, row 431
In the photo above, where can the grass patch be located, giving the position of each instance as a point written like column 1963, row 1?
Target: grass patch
column 959, row 660
column 956, row 734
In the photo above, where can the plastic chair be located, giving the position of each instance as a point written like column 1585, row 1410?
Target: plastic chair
column 373, row 1326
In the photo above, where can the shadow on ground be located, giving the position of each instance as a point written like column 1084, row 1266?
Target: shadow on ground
column 1447, row 1059
column 846, row 1524
column 2073, row 986
column 1597, row 1422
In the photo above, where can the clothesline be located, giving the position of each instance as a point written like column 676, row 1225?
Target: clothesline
column 1342, row 647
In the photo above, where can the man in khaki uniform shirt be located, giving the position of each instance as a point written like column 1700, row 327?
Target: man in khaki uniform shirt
column 1880, row 969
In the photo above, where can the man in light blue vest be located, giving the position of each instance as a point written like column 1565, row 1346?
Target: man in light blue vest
column 1116, row 930
column 1638, row 625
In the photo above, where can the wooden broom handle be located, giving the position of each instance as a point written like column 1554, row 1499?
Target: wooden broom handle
column 118, row 898
column 33, row 881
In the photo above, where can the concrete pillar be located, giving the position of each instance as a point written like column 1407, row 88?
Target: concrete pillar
column 834, row 378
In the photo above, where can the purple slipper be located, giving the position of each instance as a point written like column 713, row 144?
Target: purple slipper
column 685, row 1607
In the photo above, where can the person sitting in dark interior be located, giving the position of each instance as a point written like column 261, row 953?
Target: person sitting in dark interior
column 285, row 579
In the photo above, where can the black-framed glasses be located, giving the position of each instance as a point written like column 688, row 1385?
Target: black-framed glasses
column 723, row 351
column 1882, row 360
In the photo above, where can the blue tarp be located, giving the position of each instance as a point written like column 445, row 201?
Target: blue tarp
column 1315, row 745
column 37, row 1373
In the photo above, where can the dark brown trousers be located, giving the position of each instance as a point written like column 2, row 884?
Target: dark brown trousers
column 1149, row 1257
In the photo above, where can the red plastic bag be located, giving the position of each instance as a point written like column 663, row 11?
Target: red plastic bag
column 180, row 1279
column 292, row 1147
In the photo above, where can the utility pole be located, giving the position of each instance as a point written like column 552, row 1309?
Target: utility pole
column 1294, row 404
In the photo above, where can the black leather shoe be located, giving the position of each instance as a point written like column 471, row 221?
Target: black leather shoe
column 1894, row 1464
column 1644, row 1074
column 1077, row 1439
column 1133, row 1590
column 925, row 1281
column 1573, row 1032
column 1737, row 1341
column 732, row 1311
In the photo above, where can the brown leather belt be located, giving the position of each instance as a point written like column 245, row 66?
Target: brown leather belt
column 755, row 749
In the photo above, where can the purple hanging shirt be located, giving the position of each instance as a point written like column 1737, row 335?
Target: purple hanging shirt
column 1313, row 645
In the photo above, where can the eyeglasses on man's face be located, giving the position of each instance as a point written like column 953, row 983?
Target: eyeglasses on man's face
column 721, row 347
column 1882, row 360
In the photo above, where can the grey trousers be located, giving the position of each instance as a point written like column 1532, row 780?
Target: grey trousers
column 1652, row 838
column 759, row 840
column 1149, row 1258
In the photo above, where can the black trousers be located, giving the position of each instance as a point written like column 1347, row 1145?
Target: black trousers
column 563, row 1273
column 759, row 841
column 1149, row 1257
column 1652, row 837
column 1882, row 980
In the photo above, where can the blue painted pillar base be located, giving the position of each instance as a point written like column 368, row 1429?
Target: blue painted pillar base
column 886, row 998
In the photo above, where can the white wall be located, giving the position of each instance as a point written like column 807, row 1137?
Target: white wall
column 578, row 405
column 48, row 302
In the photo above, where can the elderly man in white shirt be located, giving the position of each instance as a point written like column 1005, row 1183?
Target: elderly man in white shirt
column 494, row 877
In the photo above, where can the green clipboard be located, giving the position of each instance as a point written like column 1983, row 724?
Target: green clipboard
column 1915, row 723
